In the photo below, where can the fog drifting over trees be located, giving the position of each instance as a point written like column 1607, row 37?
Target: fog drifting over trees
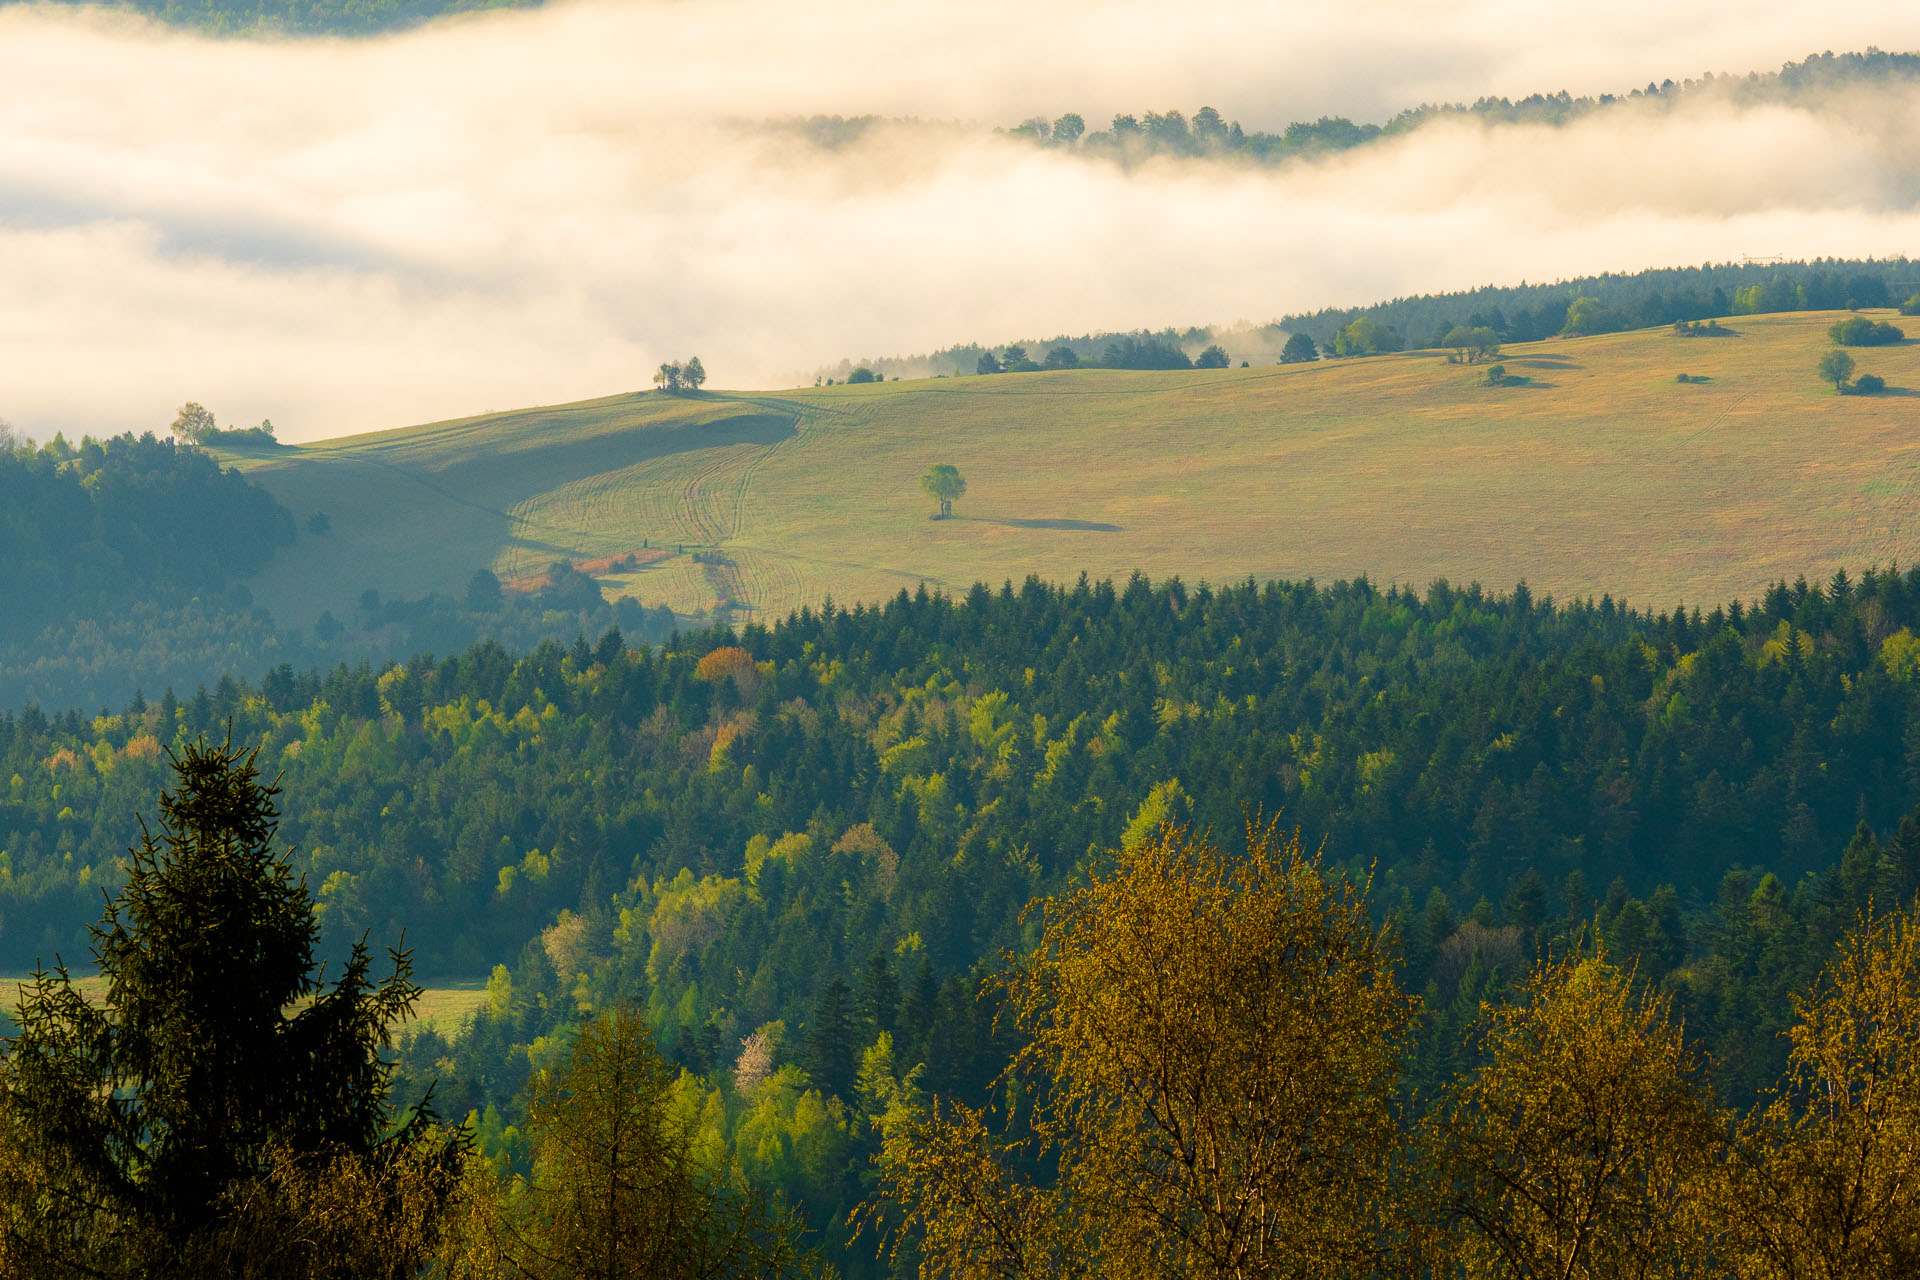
column 539, row 205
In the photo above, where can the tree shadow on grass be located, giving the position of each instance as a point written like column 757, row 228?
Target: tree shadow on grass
column 1082, row 526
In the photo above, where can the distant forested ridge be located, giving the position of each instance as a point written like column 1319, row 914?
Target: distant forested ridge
column 308, row 17
column 1130, row 139
column 1626, row 300
column 121, row 568
column 1515, row 313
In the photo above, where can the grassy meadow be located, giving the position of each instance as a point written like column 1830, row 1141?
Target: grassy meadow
column 443, row 1006
column 1602, row 474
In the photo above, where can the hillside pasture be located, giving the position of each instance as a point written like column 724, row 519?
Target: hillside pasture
column 1600, row 474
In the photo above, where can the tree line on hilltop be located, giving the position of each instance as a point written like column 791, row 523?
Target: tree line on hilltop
column 1480, row 319
column 1131, row 139
column 1611, row 303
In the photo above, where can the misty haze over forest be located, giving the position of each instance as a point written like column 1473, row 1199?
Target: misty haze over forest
column 534, row 205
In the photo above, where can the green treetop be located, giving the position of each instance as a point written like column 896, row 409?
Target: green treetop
column 943, row 484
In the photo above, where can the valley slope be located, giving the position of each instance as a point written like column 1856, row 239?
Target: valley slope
column 1602, row 474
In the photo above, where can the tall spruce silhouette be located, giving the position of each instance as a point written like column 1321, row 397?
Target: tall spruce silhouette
column 216, row 1050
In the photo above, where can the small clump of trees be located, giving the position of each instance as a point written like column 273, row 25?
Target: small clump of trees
column 1471, row 345
column 674, row 377
column 1837, row 367
column 1131, row 352
column 1858, row 331
column 194, row 424
column 1366, row 336
column 1299, row 349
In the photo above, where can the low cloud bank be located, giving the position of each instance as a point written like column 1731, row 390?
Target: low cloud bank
column 530, row 207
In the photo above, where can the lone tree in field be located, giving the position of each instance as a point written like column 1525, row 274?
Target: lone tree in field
column 1836, row 366
column 214, row 1113
column 944, row 483
column 694, row 374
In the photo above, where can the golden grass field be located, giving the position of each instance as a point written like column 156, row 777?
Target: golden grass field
column 443, row 1007
column 1604, row 475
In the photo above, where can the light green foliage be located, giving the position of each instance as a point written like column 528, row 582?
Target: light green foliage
column 944, row 484
column 792, row 849
column 906, row 759
column 1165, row 806
column 1587, row 316
column 1366, row 337
column 688, row 914
column 1900, row 655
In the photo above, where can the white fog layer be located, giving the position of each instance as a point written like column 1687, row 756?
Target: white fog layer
column 538, row 206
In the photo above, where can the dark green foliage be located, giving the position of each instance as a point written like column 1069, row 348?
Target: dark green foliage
column 1858, row 331
column 1644, row 299
column 91, row 529
column 832, row 1054
column 1144, row 351
column 483, row 592
column 340, row 17
column 1867, row 384
column 903, row 779
column 1299, row 349
column 1129, row 139
column 862, row 375
column 1061, row 356
column 1214, row 357
column 988, row 363
column 1911, row 307
column 879, row 998
column 216, row 1044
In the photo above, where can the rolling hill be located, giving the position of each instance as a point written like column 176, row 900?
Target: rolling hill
column 1603, row 474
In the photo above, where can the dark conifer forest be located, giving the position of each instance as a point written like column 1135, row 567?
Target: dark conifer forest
column 799, row 838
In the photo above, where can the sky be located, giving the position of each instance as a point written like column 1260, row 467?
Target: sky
column 537, row 206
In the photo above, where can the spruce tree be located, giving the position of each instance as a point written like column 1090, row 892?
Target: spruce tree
column 215, row 1060
column 831, row 1055
column 879, row 994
